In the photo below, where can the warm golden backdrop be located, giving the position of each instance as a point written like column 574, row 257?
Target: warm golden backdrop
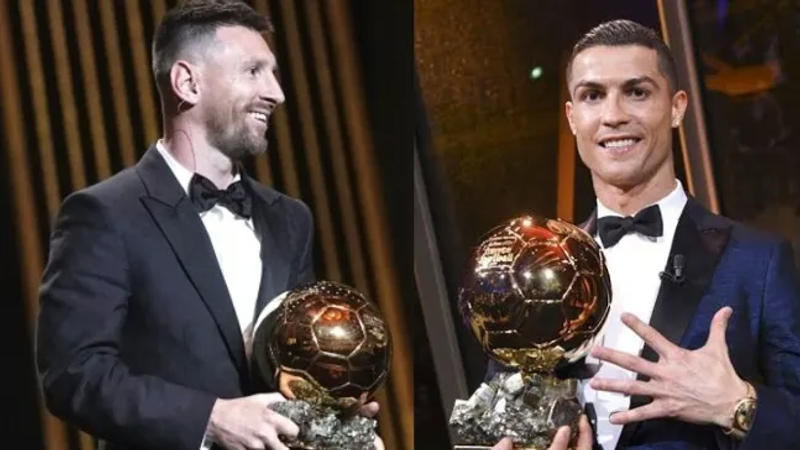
column 79, row 104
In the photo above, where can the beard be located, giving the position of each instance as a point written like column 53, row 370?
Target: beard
column 234, row 138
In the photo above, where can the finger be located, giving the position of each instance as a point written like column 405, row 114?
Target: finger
column 626, row 360
column 651, row 337
column 629, row 387
column 719, row 324
column 370, row 409
column 283, row 425
column 273, row 397
column 561, row 439
column 379, row 443
column 584, row 434
column 504, row 444
column 649, row 411
column 273, row 442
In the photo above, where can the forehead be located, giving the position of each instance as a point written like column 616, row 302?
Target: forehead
column 605, row 64
column 242, row 42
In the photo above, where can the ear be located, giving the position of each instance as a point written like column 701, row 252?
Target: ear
column 680, row 101
column 568, row 112
column 183, row 79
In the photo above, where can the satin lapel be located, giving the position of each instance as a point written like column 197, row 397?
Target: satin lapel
column 590, row 225
column 700, row 237
column 183, row 229
column 275, row 248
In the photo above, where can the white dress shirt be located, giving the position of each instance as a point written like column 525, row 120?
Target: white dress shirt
column 238, row 251
column 634, row 265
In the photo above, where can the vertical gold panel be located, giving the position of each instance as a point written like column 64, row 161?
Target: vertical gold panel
column 301, row 98
column 118, row 89
column 92, row 89
column 332, row 121
column 565, row 190
column 262, row 170
column 280, row 123
column 44, row 133
column 378, row 238
column 65, row 90
column 693, row 132
column 23, row 203
column 159, row 9
column 141, row 71
column 86, row 441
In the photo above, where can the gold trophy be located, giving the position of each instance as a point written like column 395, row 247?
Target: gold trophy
column 327, row 348
column 535, row 294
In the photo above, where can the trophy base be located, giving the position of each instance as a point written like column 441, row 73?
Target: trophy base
column 527, row 408
column 486, row 447
column 322, row 429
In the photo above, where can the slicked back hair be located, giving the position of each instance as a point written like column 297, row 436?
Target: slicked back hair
column 195, row 22
column 627, row 32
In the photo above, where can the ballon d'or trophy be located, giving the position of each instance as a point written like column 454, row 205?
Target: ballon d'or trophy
column 535, row 295
column 327, row 349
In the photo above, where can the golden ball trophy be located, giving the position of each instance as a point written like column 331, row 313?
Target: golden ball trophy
column 535, row 294
column 327, row 350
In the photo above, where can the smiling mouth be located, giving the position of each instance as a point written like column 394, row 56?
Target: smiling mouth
column 619, row 143
column 259, row 116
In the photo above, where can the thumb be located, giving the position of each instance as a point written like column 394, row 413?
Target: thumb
column 504, row 444
column 561, row 439
column 716, row 333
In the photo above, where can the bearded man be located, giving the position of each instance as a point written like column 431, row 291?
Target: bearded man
column 156, row 275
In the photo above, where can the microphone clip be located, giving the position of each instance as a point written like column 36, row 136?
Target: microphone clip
column 676, row 275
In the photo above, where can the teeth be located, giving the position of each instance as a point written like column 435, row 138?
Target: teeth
column 618, row 143
column 259, row 116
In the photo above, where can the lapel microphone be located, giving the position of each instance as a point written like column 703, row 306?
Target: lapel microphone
column 676, row 276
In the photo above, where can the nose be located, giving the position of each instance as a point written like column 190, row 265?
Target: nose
column 614, row 112
column 272, row 91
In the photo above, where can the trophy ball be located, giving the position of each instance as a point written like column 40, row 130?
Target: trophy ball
column 535, row 293
column 330, row 336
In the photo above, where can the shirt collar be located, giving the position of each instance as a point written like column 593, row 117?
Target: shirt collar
column 182, row 174
column 671, row 205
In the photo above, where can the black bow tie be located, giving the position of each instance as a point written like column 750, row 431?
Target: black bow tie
column 646, row 222
column 205, row 195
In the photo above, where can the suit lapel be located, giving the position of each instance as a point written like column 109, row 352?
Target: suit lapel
column 273, row 230
column 183, row 229
column 700, row 238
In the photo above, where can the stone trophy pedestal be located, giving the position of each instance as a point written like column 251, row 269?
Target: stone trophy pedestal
column 529, row 409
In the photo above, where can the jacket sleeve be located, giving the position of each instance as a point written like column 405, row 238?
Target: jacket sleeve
column 778, row 405
column 84, row 299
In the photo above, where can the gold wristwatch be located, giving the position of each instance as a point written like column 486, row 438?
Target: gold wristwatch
column 743, row 414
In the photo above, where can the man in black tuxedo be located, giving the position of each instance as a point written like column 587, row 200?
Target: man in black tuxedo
column 156, row 275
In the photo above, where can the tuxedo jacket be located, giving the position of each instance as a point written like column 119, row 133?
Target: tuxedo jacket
column 137, row 335
column 727, row 264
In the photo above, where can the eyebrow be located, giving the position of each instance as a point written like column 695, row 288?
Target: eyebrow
column 626, row 85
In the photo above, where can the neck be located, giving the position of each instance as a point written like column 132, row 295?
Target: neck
column 629, row 200
column 188, row 145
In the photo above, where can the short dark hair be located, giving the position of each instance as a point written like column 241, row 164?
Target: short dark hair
column 627, row 32
column 194, row 21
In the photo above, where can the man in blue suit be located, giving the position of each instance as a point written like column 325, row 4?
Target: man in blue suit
column 156, row 275
column 701, row 349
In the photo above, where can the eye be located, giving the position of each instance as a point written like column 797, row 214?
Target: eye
column 253, row 71
column 591, row 95
column 639, row 93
